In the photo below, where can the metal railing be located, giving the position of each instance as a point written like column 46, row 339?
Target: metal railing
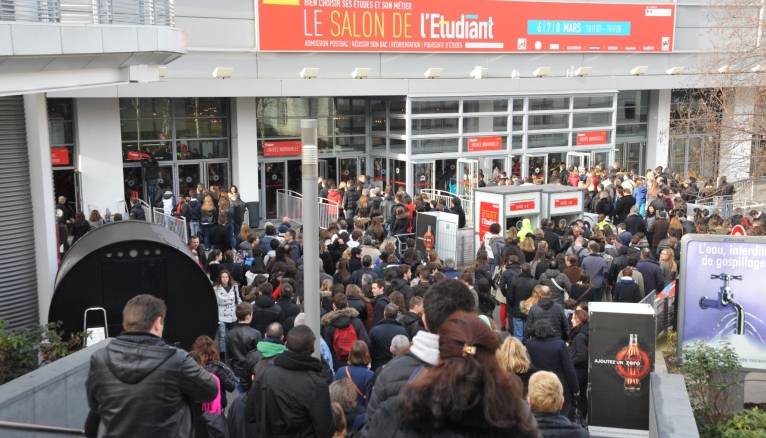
column 328, row 212
column 726, row 204
column 290, row 204
column 663, row 308
column 138, row 12
column 147, row 211
column 175, row 224
column 465, row 201
column 52, row 430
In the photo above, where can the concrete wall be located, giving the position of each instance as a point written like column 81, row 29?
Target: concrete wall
column 52, row 396
column 670, row 412
column 100, row 153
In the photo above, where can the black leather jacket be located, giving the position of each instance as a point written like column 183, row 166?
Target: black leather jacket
column 141, row 386
column 240, row 341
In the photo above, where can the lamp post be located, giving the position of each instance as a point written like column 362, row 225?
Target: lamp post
column 310, row 175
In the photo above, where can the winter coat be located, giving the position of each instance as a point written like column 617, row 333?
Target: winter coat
column 554, row 275
column 483, row 272
column 622, row 210
column 241, row 340
column 520, row 290
column 458, row 210
column 225, row 376
column 236, row 423
column 263, row 355
column 289, row 309
column 359, row 305
column 349, row 201
column 227, row 302
column 579, row 342
column 208, row 217
column 290, row 398
column 413, row 323
column 640, row 194
column 385, row 210
column 526, row 228
column 546, row 309
column 168, row 202
column 362, row 378
column 559, row 426
column 265, row 311
column 669, row 275
column 401, row 224
column 573, row 179
column 379, row 306
column 388, row 423
column 401, row 285
column 79, row 230
column 659, row 230
column 137, row 213
column 634, row 223
column 195, row 210
column 626, row 291
column 139, row 373
column 381, row 336
column 335, row 197
column 551, row 354
column 339, row 319
column 596, row 266
column 573, row 273
column 654, row 279
column 552, row 238
column 220, row 238
column 151, row 170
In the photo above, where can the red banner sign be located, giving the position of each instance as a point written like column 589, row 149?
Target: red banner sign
column 485, row 144
column 568, row 202
column 591, row 138
column 476, row 26
column 489, row 214
column 60, row 156
column 522, row 205
column 136, row 156
column 282, row 148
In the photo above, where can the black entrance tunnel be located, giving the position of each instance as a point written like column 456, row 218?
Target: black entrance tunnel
column 115, row 262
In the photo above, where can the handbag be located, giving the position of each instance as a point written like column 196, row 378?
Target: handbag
column 361, row 394
column 212, row 415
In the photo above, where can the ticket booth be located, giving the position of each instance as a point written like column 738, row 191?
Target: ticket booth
column 562, row 203
column 508, row 206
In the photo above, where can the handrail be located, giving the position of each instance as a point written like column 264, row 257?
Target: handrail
column 26, row 427
column 137, row 12
column 291, row 193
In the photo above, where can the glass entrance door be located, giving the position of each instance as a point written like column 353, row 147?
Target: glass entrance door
column 631, row 156
column 273, row 179
column 604, row 158
column 379, row 172
column 349, row 168
column 188, row 178
column 424, row 176
column 445, row 178
column 295, row 176
column 579, row 159
column 536, row 168
column 399, row 176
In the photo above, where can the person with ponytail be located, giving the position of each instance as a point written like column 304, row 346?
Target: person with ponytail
column 466, row 393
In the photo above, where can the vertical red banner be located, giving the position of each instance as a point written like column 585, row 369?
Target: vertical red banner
column 489, row 214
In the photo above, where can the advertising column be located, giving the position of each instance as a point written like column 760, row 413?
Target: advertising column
column 622, row 345
column 489, row 213
column 720, row 295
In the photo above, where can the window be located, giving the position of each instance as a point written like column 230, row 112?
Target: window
column 632, row 115
column 61, row 131
column 485, row 124
column 485, row 106
column 434, row 106
column 590, row 120
column 433, row 146
column 588, row 102
column 433, row 126
column 548, row 103
column 175, row 129
column 547, row 140
column 548, row 121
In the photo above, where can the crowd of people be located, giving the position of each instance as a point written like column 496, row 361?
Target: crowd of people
column 409, row 343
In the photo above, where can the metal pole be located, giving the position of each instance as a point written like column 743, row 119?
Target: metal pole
column 40, row 428
column 310, row 173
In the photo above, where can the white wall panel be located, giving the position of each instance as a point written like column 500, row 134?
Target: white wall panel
column 200, row 65
column 239, row 9
column 414, row 65
column 331, row 65
column 99, row 140
column 218, row 32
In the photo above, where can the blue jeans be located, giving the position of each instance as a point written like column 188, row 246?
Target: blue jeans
column 230, row 227
column 222, row 337
column 641, row 209
column 194, row 228
column 206, row 234
column 151, row 190
column 518, row 328
column 240, row 391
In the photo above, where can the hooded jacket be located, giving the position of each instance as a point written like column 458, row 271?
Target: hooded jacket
column 401, row 224
column 552, row 277
column 290, row 398
column 558, row 426
column 195, row 210
column 413, row 323
column 510, row 272
column 380, row 339
column 339, row 319
column 265, row 312
column 139, row 386
column 526, row 228
column 401, row 285
column 350, row 200
column 458, row 210
column 640, row 194
column 626, row 291
column 137, row 213
column 520, row 290
column 579, row 342
column 548, row 310
column 396, row 374
column 262, row 355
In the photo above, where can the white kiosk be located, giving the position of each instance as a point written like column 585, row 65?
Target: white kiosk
column 562, row 203
column 507, row 206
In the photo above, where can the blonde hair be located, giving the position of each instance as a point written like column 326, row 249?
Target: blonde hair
column 670, row 261
column 326, row 285
column 545, row 392
column 512, row 356
column 528, row 245
column 537, row 293
column 208, row 204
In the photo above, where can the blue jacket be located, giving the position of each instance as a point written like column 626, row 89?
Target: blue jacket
column 597, row 268
column 552, row 355
column 380, row 340
column 640, row 195
column 654, row 279
column 362, row 378
column 196, row 208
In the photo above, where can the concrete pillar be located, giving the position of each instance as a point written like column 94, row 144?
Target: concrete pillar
column 41, row 187
column 658, row 135
column 100, row 158
column 244, row 150
column 737, row 134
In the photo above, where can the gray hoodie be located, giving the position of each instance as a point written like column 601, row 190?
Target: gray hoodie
column 550, row 278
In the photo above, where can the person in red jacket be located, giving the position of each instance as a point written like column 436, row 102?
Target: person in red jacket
column 574, row 176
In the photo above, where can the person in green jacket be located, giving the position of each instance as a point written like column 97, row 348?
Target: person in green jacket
column 526, row 228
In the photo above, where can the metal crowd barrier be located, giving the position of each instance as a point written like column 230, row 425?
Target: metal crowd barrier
column 328, row 212
column 663, row 309
column 137, row 12
column 465, row 201
column 290, row 204
column 175, row 224
column 147, row 211
column 402, row 238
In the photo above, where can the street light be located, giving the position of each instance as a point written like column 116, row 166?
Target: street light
column 310, row 177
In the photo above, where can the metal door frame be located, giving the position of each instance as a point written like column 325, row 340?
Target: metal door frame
column 525, row 165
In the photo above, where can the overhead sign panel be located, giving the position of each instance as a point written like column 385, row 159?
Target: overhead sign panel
column 463, row 26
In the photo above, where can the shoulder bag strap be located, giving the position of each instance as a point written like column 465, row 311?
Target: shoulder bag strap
column 583, row 294
column 355, row 387
column 557, row 285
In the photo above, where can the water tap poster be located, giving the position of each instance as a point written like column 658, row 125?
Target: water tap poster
column 720, row 294
column 425, row 233
column 434, row 26
column 622, row 345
